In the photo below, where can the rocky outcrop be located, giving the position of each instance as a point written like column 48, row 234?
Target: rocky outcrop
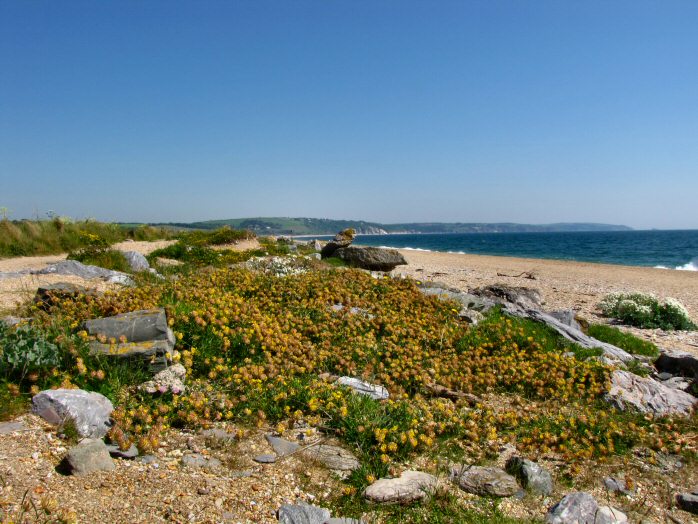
column 648, row 396
column 78, row 269
column 371, row 258
column 139, row 333
column 481, row 480
column 341, row 239
column 169, row 379
column 88, row 412
column 408, row 487
column 678, row 363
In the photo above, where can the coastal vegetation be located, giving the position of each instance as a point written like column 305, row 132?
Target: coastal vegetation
column 62, row 235
column 627, row 341
column 647, row 311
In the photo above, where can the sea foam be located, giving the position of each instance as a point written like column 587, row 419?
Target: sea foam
column 691, row 266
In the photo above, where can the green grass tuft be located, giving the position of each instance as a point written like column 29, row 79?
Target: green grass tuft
column 625, row 341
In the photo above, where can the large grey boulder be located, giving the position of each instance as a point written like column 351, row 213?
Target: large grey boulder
column 648, row 396
column 87, row 411
column 531, row 475
column 678, row 363
column 484, row 480
column 371, row 258
column 340, row 240
column 136, row 261
column 78, row 269
column 333, row 457
column 302, row 514
column 408, row 487
column 145, row 332
column 88, row 456
column 574, row 508
column 374, row 391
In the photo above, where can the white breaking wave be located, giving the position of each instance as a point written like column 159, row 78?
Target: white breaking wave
column 406, row 248
column 690, row 266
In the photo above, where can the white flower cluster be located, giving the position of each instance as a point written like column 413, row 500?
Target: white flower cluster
column 279, row 266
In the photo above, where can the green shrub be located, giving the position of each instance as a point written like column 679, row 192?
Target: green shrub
column 626, row 341
column 646, row 311
column 97, row 253
column 24, row 350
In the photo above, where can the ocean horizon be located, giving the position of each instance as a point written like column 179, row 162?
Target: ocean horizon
column 666, row 249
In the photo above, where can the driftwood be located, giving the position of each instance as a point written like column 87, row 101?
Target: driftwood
column 526, row 274
column 442, row 391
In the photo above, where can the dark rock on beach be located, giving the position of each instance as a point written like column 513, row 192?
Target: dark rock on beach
column 371, row 258
column 341, row 239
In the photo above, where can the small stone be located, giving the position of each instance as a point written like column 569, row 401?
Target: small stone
column 302, row 514
column 576, row 507
column 11, row 427
column 333, row 457
column 203, row 491
column 616, row 485
column 219, row 434
column 89, row 456
column 408, row 487
column 147, row 459
column 196, row 460
column 609, row 515
column 266, row 458
column 532, row 476
column 688, row 502
column 281, row 446
column 484, row 480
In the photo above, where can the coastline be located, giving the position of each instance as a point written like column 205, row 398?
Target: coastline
column 563, row 284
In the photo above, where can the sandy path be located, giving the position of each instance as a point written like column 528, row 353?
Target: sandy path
column 19, row 289
column 564, row 284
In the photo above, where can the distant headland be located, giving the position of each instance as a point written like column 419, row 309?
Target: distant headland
column 324, row 226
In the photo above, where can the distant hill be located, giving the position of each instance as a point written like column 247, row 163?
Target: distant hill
column 324, row 226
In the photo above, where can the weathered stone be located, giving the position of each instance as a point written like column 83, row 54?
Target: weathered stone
column 688, row 502
column 145, row 332
column 531, row 475
column 567, row 317
column 374, row 391
column 574, row 508
column 408, row 487
column 616, row 485
column 281, row 446
column 680, row 383
column 78, row 269
column 88, row 456
column 524, row 297
column 333, row 457
column 266, row 458
column 117, row 452
column 220, row 435
column 302, row 514
column 341, row 239
column 484, row 480
column 88, row 412
column 169, row 379
column 196, row 460
column 136, row 261
column 371, row 258
column 609, row 515
column 10, row 427
column 648, row 396
column 678, row 363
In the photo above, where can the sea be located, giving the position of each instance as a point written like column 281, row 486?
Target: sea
column 662, row 249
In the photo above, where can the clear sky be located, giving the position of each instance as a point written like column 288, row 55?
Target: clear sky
column 476, row 111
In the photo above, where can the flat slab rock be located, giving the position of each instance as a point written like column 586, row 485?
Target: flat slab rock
column 281, row 446
column 481, row 480
column 196, row 460
column 87, row 411
column 88, row 456
column 333, row 457
column 302, row 514
column 78, row 269
column 374, row 391
column 408, row 487
column 648, row 396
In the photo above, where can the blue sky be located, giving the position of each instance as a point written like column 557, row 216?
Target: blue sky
column 389, row 111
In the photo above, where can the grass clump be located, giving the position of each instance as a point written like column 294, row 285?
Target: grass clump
column 96, row 252
column 646, row 311
column 626, row 341
column 61, row 234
